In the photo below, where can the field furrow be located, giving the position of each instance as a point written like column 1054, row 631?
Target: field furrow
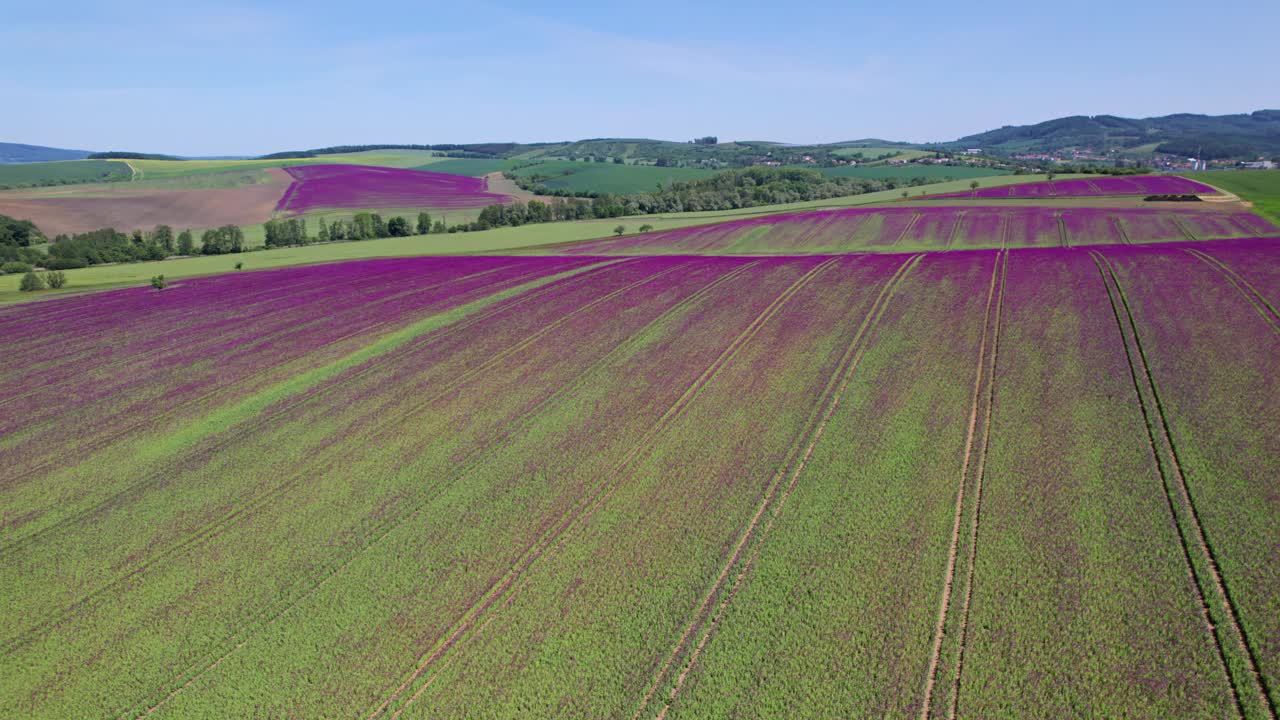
column 969, row 483
column 1081, row 601
column 1217, row 407
column 1221, row 616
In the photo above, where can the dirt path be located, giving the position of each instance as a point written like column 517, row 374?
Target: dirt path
column 948, row 580
column 498, row 183
column 823, row 411
column 1220, row 615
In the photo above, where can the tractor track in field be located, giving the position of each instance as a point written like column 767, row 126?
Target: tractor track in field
column 915, row 218
column 980, row 476
column 1120, row 231
column 955, row 231
column 948, row 579
column 214, row 529
column 1231, row 643
column 283, row 331
column 159, row 475
column 1182, row 228
column 514, row 578
column 483, row 450
column 1261, row 305
column 802, row 449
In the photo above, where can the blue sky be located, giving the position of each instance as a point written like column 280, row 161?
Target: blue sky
column 228, row 78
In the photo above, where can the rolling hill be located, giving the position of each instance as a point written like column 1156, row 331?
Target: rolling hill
column 20, row 153
column 1216, row 136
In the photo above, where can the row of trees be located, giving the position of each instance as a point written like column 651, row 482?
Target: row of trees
column 108, row 245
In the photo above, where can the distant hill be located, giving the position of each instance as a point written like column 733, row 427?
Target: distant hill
column 1220, row 136
column 19, row 153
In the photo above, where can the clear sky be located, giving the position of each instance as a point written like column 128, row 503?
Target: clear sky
column 204, row 78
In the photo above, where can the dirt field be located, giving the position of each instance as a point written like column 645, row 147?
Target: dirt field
column 125, row 208
column 500, row 184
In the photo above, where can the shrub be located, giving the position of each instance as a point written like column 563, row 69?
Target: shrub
column 31, row 282
column 55, row 279
column 65, row 263
column 158, row 282
column 13, row 267
column 619, row 230
column 646, row 227
column 239, row 265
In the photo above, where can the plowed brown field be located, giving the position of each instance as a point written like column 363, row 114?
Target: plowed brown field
column 125, row 208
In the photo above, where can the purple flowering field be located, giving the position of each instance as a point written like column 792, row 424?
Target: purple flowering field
column 900, row 229
column 320, row 187
column 907, row 461
column 1101, row 186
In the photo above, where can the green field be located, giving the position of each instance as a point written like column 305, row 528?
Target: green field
column 870, row 153
column 507, row 238
column 903, row 173
column 609, row 177
column 466, row 166
column 1260, row 187
column 161, row 169
column 63, row 172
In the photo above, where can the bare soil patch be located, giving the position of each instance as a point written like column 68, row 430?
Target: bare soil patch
column 118, row 206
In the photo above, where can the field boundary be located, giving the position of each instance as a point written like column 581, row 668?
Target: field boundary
column 802, row 449
column 511, row 582
column 1240, row 669
column 948, row 580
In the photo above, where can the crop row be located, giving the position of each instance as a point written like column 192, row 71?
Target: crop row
column 902, row 229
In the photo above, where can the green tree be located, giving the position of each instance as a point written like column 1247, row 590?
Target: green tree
column 158, row 282
column 55, row 279
column 163, row 236
column 31, row 282
column 619, row 230
column 646, row 228
column 974, row 185
column 398, row 227
column 186, row 245
column 424, row 223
